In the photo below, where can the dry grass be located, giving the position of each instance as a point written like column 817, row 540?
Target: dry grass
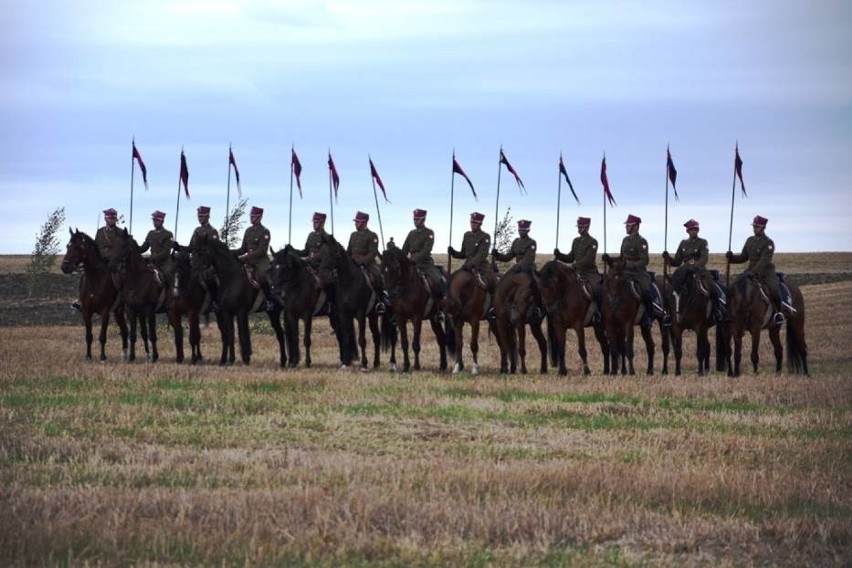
column 165, row 464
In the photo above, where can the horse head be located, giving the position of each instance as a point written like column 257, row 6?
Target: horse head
column 126, row 253
column 554, row 283
column 616, row 282
column 395, row 270
column 81, row 249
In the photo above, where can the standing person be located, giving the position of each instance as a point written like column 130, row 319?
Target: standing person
column 583, row 258
column 316, row 253
column 758, row 251
column 107, row 237
column 476, row 244
column 418, row 247
column 692, row 256
column 363, row 248
column 254, row 251
column 159, row 240
column 634, row 254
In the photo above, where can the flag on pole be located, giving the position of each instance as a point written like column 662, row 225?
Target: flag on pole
column 509, row 167
column 457, row 169
column 138, row 157
column 335, row 179
column 738, row 168
column 670, row 167
column 184, row 174
column 605, row 183
column 233, row 162
column 376, row 177
column 296, row 165
column 564, row 173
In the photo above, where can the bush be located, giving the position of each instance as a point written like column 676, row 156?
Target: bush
column 44, row 254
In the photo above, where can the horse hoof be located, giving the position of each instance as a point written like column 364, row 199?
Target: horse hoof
column 392, row 368
column 474, row 370
column 457, row 369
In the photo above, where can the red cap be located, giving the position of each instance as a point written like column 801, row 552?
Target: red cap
column 691, row 224
column 524, row 225
column 110, row 212
column 361, row 217
column 203, row 210
column 319, row 216
column 256, row 211
column 476, row 217
column 759, row 221
column 632, row 220
column 159, row 215
column 419, row 214
column 583, row 221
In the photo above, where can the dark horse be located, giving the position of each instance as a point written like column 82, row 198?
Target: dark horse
column 354, row 300
column 692, row 308
column 237, row 297
column 411, row 301
column 515, row 301
column 621, row 311
column 186, row 296
column 100, row 294
column 569, row 306
column 141, row 293
column 465, row 303
column 750, row 310
column 296, row 286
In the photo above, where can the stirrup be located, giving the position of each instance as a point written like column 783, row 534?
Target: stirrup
column 380, row 308
column 666, row 319
column 491, row 315
column 596, row 317
column 778, row 318
column 439, row 317
column 76, row 305
column 538, row 313
column 270, row 305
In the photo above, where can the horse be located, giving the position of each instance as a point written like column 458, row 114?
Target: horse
column 621, row 311
column 100, row 294
column 411, row 300
column 569, row 306
column 515, row 301
column 465, row 303
column 141, row 293
column 186, row 296
column 237, row 297
column 750, row 310
column 354, row 300
column 296, row 286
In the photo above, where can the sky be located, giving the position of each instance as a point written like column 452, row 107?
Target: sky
column 409, row 83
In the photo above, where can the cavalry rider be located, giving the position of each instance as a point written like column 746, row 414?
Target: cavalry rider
column 634, row 254
column 159, row 240
column 106, row 238
column 523, row 252
column 758, row 251
column 692, row 256
column 254, row 252
column 583, row 258
column 364, row 249
column 316, row 251
column 418, row 247
column 476, row 244
column 197, row 267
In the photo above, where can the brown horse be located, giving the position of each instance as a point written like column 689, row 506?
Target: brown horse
column 750, row 310
column 186, row 296
column 569, row 306
column 515, row 301
column 465, row 303
column 411, row 300
column 141, row 294
column 622, row 311
column 100, row 294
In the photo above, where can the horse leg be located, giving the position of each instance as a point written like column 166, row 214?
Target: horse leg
column 665, row 338
column 580, row 330
column 628, row 348
column 521, row 334
column 702, row 347
column 775, row 338
column 275, row 321
column 738, row 350
column 245, row 336
column 87, row 320
column 458, row 327
column 122, row 330
column 535, row 329
column 194, row 336
column 417, row 325
column 309, row 324
column 441, row 338
column 649, row 347
column 403, row 340
column 603, row 341
column 177, row 328
column 677, row 344
column 226, row 330
column 103, row 335
column 474, row 346
column 376, row 332
column 152, row 333
column 755, row 345
column 362, row 341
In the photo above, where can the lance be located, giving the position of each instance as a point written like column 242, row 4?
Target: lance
column 132, row 172
column 452, row 194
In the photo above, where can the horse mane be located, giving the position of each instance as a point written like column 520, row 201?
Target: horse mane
column 90, row 242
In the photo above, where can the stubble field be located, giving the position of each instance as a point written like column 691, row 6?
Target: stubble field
column 161, row 463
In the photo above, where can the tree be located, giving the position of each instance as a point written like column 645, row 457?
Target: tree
column 505, row 233
column 230, row 231
column 44, row 254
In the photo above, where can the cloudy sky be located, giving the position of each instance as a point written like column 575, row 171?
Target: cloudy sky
column 407, row 83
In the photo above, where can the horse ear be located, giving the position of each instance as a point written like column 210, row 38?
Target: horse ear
column 70, row 231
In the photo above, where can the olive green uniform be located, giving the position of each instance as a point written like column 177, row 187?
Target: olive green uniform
column 364, row 249
column 418, row 246
column 316, row 252
column 758, row 251
column 634, row 254
column 198, row 234
column 107, row 238
column 523, row 251
column 693, row 253
column 583, row 258
column 255, row 247
column 475, row 248
column 160, row 243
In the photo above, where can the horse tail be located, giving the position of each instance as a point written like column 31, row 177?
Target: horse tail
column 797, row 348
column 388, row 332
column 450, row 337
column 551, row 342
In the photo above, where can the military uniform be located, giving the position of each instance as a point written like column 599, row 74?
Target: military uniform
column 316, row 252
column 254, row 249
column 694, row 253
column 523, row 251
column 418, row 246
column 160, row 243
column 758, row 251
column 583, row 257
column 108, row 238
column 475, row 247
column 364, row 248
column 197, row 235
column 634, row 254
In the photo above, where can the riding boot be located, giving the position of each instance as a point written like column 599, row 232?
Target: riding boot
column 439, row 292
column 330, row 295
column 778, row 316
column 76, row 305
column 659, row 311
column 382, row 302
column 491, row 315
column 648, row 316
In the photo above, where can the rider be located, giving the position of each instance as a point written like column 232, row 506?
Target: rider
column 418, row 247
column 634, row 253
column 523, row 251
column 476, row 244
column 106, row 238
column 316, row 251
column 159, row 240
column 691, row 256
column 254, row 251
column 583, row 257
column 758, row 251
column 204, row 229
column 364, row 249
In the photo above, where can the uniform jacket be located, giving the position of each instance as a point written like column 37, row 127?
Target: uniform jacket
column 583, row 255
column 523, row 251
column 418, row 244
column 363, row 247
column 475, row 248
column 107, row 238
column 160, row 243
column 255, row 247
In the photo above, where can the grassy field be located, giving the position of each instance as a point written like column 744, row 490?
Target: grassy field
column 164, row 464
